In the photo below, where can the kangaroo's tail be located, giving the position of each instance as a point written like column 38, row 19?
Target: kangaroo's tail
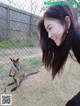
column 31, row 73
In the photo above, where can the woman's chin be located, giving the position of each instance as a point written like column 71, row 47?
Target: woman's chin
column 57, row 43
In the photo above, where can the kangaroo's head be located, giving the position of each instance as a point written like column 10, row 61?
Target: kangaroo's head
column 15, row 63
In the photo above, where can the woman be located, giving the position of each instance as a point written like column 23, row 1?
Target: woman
column 59, row 33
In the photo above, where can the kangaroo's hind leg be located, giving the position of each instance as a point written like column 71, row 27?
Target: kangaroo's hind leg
column 15, row 81
column 17, row 84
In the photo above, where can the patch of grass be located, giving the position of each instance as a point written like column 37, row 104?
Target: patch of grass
column 33, row 62
column 16, row 44
column 8, row 44
column 4, row 53
column 2, row 69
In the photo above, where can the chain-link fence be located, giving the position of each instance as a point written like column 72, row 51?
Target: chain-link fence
column 18, row 31
column 19, row 39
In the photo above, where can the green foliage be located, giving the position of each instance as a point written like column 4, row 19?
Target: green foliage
column 16, row 44
column 32, row 62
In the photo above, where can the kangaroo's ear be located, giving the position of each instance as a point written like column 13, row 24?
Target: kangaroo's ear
column 11, row 59
column 17, row 59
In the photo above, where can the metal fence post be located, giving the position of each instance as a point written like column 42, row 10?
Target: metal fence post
column 8, row 23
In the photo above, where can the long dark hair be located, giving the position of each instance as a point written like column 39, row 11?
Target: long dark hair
column 54, row 56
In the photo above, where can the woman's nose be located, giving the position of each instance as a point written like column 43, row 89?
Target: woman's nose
column 49, row 35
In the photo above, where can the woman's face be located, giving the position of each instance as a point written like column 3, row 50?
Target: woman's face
column 55, row 30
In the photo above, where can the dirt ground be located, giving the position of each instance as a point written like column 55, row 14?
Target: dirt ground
column 39, row 89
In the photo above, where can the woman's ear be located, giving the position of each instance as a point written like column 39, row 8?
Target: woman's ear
column 68, row 21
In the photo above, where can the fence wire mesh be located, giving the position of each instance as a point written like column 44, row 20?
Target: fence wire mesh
column 18, row 32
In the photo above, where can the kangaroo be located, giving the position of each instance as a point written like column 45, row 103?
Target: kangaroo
column 18, row 73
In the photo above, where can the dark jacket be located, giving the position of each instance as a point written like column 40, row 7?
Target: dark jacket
column 75, row 101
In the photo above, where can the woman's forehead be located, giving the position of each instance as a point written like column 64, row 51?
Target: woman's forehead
column 51, row 21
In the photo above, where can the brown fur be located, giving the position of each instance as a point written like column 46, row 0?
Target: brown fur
column 16, row 72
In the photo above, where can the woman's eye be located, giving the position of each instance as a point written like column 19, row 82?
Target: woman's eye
column 50, row 28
